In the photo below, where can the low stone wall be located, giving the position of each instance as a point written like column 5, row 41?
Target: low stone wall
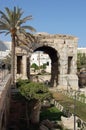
column 4, row 101
column 75, row 94
column 80, row 124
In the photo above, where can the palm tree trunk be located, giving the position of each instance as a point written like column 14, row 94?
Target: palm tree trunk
column 13, row 61
column 35, row 113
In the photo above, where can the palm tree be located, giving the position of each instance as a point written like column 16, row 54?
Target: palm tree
column 13, row 23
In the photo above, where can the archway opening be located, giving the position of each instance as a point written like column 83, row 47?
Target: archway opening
column 54, row 57
column 40, row 63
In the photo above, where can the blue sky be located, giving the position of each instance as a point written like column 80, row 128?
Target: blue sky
column 53, row 16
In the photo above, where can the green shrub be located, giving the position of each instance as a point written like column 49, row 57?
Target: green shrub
column 21, row 82
column 34, row 90
column 51, row 113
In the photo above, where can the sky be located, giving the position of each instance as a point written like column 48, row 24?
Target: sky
column 53, row 16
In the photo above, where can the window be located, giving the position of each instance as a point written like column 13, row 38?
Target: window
column 19, row 64
column 69, row 64
column 47, row 63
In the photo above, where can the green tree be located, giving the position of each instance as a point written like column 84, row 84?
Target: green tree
column 44, row 66
column 81, row 61
column 35, row 93
column 35, row 66
column 12, row 22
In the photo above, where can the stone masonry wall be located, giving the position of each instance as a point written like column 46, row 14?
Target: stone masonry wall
column 4, row 101
column 66, row 47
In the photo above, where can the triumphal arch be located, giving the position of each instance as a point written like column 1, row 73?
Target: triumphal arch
column 62, row 50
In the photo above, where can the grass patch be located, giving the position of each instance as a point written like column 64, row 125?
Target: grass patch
column 82, row 95
column 68, row 103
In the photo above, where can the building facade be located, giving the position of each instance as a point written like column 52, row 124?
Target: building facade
column 5, row 48
column 81, row 50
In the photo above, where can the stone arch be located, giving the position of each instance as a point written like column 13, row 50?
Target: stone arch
column 54, row 56
column 62, row 50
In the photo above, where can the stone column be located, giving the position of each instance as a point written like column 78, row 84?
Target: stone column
column 54, row 74
column 24, row 64
column 28, row 67
column 63, row 67
column 15, row 68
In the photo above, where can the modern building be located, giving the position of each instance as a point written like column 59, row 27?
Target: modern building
column 81, row 50
column 41, row 58
column 5, row 48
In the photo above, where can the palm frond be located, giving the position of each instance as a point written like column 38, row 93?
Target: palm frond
column 22, row 31
column 4, row 16
column 8, row 11
column 6, row 33
column 4, row 27
column 24, row 47
column 13, row 16
column 19, row 13
column 27, row 18
column 30, row 37
column 11, row 20
column 9, row 14
column 2, row 32
column 21, row 21
column 4, row 24
column 20, row 41
column 30, row 28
